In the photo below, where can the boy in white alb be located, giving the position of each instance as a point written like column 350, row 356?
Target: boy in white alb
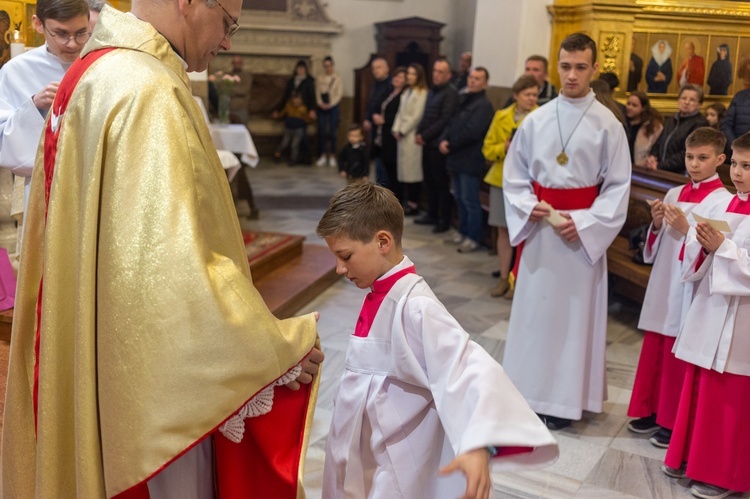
column 418, row 400
column 658, row 380
column 711, row 435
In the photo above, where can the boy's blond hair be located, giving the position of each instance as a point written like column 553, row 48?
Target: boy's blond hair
column 707, row 136
column 741, row 143
column 359, row 211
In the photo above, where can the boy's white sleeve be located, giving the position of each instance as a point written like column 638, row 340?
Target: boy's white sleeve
column 477, row 403
column 730, row 271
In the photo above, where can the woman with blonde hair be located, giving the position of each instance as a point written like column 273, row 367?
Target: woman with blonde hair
column 410, row 111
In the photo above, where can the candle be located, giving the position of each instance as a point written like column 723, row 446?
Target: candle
column 16, row 49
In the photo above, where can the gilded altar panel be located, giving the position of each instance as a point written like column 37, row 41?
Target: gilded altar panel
column 658, row 45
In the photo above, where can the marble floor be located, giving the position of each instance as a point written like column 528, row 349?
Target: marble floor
column 599, row 457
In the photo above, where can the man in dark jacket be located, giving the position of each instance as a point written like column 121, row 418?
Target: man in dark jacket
column 441, row 103
column 737, row 120
column 462, row 144
column 668, row 153
column 381, row 88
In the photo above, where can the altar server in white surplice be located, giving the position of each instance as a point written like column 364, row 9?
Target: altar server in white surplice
column 28, row 84
column 570, row 154
column 419, row 401
column 710, row 440
column 658, row 379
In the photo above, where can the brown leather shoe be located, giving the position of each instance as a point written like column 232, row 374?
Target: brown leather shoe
column 502, row 287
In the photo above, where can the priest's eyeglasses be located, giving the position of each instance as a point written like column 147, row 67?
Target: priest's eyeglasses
column 63, row 37
column 230, row 30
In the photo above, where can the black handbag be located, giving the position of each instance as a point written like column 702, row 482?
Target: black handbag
column 637, row 239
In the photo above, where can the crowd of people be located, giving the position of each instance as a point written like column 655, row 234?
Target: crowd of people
column 101, row 401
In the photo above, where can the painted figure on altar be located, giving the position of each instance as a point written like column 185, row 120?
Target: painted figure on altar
column 659, row 71
column 720, row 77
column 693, row 67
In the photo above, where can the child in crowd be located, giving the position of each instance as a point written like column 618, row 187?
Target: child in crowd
column 711, row 430
column 658, row 380
column 715, row 114
column 418, row 400
column 354, row 161
column 296, row 118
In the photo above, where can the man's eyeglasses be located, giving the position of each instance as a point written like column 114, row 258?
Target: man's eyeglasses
column 229, row 31
column 63, row 37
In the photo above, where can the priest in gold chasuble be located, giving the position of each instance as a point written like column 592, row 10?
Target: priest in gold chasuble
column 139, row 340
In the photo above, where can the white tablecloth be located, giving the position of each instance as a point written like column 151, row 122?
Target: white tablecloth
column 237, row 139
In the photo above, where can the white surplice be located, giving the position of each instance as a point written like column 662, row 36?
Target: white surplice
column 667, row 297
column 415, row 393
column 716, row 333
column 21, row 123
column 555, row 351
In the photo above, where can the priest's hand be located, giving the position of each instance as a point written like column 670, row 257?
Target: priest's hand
column 708, row 237
column 43, row 99
column 475, row 465
column 568, row 229
column 538, row 213
column 676, row 219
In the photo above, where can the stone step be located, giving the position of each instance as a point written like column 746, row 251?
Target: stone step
column 271, row 250
column 294, row 284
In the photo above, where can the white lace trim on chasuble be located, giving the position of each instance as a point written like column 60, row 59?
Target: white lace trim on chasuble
column 234, row 428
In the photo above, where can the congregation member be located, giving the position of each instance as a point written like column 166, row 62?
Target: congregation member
column 303, row 84
column 28, row 84
column 668, row 152
column 658, row 379
column 381, row 88
column 710, row 440
column 461, row 76
column 537, row 66
column 144, row 362
column 461, row 142
column 421, row 411
column 645, row 124
column 715, row 113
column 410, row 112
column 442, row 101
column 354, row 160
column 495, row 148
column 570, row 155
column 329, row 90
column 239, row 106
column 737, row 118
column 384, row 145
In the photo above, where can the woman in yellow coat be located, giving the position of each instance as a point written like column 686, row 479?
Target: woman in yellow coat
column 496, row 144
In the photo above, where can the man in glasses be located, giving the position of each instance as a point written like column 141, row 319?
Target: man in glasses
column 144, row 361
column 28, row 84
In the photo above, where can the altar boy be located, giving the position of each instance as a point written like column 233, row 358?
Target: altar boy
column 418, row 400
column 710, row 440
column 658, row 380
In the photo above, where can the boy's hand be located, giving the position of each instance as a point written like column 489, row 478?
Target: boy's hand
column 709, row 237
column 568, row 229
column 676, row 219
column 657, row 214
column 538, row 213
column 475, row 465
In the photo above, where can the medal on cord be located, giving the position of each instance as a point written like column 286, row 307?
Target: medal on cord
column 562, row 158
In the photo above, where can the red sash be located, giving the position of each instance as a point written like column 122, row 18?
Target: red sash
column 560, row 199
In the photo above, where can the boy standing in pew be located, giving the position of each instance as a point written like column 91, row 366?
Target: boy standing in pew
column 711, row 437
column 658, row 380
column 419, row 401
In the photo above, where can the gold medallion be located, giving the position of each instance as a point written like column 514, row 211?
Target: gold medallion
column 562, row 159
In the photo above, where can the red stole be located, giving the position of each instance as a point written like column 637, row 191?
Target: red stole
column 374, row 299
column 560, row 199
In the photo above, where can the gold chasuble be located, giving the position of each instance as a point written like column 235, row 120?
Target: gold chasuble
column 137, row 330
